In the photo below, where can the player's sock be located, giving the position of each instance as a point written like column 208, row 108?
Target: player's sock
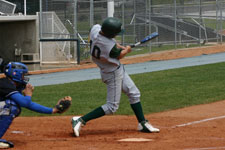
column 98, row 112
column 137, row 108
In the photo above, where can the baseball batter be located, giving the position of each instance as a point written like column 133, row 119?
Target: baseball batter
column 106, row 53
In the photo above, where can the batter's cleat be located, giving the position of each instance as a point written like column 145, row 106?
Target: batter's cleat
column 77, row 123
column 145, row 126
column 5, row 144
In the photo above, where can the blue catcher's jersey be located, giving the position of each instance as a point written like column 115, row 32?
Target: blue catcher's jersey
column 9, row 91
column 7, row 88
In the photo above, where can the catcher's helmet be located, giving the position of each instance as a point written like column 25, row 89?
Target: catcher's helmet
column 17, row 71
column 111, row 27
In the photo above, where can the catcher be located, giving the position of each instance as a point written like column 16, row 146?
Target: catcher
column 16, row 92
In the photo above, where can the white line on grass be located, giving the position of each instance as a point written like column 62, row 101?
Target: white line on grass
column 200, row 121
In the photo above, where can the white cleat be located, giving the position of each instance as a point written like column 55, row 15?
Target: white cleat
column 145, row 126
column 5, row 144
column 77, row 122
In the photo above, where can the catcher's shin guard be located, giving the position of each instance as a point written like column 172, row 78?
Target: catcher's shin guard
column 8, row 111
column 5, row 122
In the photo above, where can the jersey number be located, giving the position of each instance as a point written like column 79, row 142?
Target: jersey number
column 96, row 52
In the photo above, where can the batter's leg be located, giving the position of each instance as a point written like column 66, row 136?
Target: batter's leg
column 114, row 84
column 114, row 88
column 134, row 96
column 133, row 93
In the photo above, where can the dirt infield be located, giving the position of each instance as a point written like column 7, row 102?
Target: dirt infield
column 48, row 133
column 198, row 127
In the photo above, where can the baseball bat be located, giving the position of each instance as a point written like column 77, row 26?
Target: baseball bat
column 146, row 39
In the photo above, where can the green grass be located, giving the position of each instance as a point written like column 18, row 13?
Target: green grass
column 161, row 91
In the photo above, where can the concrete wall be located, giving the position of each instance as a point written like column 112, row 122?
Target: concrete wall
column 18, row 32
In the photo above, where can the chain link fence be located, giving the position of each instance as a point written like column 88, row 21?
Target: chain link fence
column 179, row 22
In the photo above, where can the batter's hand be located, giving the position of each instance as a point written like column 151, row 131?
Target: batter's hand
column 124, row 52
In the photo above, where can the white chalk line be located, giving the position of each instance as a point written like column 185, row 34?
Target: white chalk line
column 197, row 122
column 207, row 148
column 135, row 140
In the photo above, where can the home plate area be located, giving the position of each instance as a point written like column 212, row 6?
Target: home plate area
column 198, row 127
column 135, row 140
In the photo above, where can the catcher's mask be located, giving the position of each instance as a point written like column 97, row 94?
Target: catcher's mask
column 17, row 72
column 111, row 27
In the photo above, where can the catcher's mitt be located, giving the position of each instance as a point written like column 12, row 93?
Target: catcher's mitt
column 63, row 104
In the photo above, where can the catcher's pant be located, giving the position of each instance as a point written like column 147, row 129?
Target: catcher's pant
column 116, row 82
column 8, row 111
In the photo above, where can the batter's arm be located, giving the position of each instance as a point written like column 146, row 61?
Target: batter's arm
column 124, row 52
column 120, row 46
column 119, row 51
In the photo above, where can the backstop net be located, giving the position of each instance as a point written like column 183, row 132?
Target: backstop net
column 7, row 8
column 180, row 22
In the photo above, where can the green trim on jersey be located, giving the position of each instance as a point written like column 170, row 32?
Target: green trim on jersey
column 115, row 52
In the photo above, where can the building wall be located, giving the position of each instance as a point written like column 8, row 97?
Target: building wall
column 20, row 34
